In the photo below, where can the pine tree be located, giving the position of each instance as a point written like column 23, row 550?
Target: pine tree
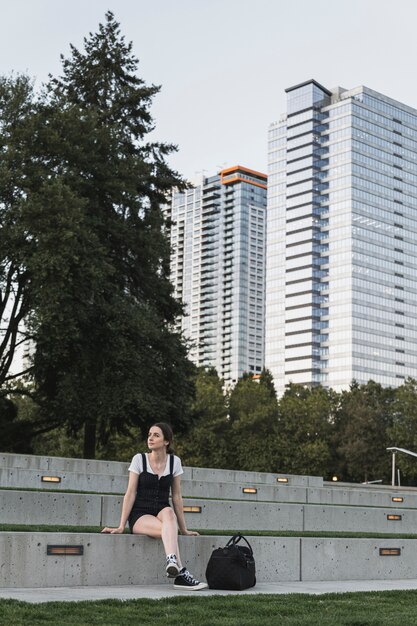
column 107, row 354
column 16, row 182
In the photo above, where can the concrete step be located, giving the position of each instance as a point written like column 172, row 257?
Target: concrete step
column 257, row 478
column 31, row 507
column 108, row 483
column 62, row 464
column 63, row 467
column 30, row 560
column 245, row 491
column 356, row 496
column 46, row 508
column 62, row 481
column 311, row 495
column 36, row 479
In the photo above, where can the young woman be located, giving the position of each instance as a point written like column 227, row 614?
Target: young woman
column 146, row 502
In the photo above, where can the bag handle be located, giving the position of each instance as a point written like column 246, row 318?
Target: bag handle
column 235, row 540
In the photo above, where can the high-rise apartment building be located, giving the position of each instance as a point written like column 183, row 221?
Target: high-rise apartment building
column 218, row 237
column 341, row 289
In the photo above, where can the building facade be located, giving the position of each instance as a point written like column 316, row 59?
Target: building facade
column 341, row 287
column 218, row 237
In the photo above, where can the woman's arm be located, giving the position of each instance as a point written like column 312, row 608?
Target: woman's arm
column 178, row 507
column 128, row 500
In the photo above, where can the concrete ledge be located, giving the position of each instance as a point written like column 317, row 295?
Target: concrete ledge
column 126, row 559
column 108, row 483
column 62, row 465
column 37, row 507
column 31, row 507
column 216, row 489
column 234, row 491
column 348, row 559
column 360, row 495
column 242, row 477
column 32, row 479
column 369, row 486
column 17, row 507
column 217, row 515
column 220, row 487
column 360, row 519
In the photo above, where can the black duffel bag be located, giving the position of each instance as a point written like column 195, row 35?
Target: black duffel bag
column 231, row 567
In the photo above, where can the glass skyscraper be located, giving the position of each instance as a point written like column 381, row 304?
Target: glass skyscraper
column 341, row 287
column 218, row 237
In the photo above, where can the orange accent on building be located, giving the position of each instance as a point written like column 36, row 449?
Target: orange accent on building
column 238, row 173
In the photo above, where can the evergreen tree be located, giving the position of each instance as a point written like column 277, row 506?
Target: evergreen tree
column 267, row 380
column 360, row 436
column 305, row 428
column 107, row 354
column 402, row 433
column 207, row 443
column 253, row 414
column 17, row 180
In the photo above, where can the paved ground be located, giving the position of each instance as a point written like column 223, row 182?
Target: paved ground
column 127, row 592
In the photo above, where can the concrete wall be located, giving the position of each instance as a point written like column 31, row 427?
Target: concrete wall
column 108, row 483
column 359, row 519
column 219, row 475
column 220, row 515
column 34, row 507
column 357, row 559
column 31, row 507
column 310, row 495
column 234, row 491
column 362, row 496
column 127, row 560
column 61, row 465
column 32, row 479
column 17, row 507
column 303, row 503
column 26, row 471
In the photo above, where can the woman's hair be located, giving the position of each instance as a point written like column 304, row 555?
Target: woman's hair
column 167, row 433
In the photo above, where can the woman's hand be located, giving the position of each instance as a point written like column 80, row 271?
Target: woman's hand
column 190, row 533
column 113, row 531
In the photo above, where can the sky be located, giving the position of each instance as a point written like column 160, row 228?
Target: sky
column 223, row 65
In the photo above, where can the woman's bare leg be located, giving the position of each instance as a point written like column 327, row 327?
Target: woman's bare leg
column 163, row 526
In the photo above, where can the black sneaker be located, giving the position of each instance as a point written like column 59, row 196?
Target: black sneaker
column 172, row 568
column 187, row 582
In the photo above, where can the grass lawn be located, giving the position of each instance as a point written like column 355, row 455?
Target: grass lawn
column 355, row 609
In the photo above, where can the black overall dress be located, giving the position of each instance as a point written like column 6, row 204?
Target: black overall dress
column 153, row 492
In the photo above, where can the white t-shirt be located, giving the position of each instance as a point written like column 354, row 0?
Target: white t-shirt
column 136, row 465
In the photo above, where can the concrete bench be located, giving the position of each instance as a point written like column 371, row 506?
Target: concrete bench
column 17, row 507
column 62, row 464
column 239, row 490
column 59, row 509
column 352, row 495
column 66, row 466
column 359, row 519
column 108, row 483
column 34, row 559
column 47, row 508
column 243, row 477
column 62, row 481
column 392, row 497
